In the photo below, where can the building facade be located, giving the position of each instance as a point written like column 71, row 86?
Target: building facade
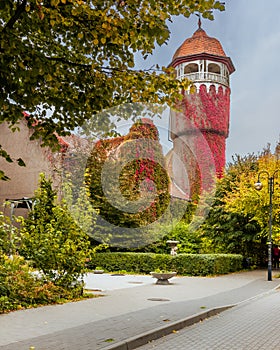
column 24, row 180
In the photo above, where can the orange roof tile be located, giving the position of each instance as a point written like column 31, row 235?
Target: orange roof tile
column 199, row 43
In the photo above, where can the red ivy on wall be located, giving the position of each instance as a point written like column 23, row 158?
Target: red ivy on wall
column 139, row 171
column 208, row 112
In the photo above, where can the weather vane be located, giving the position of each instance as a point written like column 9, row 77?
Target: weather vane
column 199, row 20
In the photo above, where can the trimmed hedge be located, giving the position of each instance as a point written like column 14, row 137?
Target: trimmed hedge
column 183, row 264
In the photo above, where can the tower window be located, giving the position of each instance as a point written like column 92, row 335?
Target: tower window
column 191, row 68
column 214, row 68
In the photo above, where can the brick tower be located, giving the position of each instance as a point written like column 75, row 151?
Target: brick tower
column 199, row 133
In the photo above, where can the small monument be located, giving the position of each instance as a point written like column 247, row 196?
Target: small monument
column 173, row 247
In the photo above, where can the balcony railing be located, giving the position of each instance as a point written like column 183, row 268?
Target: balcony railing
column 205, row 77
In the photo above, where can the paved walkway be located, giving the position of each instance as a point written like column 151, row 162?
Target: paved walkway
column 250, row 326
column 131, row 306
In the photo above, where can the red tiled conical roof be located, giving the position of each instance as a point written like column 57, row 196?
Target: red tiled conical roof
column 199, row 43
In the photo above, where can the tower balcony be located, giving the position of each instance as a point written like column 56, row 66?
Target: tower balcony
column 205, row 77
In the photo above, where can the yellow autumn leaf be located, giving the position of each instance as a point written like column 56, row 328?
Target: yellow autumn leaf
column 21, row 65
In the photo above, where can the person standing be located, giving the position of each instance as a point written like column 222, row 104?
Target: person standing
column 276, row 255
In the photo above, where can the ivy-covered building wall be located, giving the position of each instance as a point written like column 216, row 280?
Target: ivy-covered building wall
column 127, row 179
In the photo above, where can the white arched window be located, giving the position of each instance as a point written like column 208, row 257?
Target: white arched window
column 191, row 68
column 214, row 68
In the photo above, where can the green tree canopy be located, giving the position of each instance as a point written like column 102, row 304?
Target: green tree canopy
column 62, row 61
column 238, row 219
column 231, row 232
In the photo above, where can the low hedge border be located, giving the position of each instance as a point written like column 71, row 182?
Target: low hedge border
column 183, row 264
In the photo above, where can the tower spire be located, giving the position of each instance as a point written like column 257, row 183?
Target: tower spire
column 199, row 20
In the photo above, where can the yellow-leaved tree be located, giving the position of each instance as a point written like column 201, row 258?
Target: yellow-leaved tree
column 243, row 198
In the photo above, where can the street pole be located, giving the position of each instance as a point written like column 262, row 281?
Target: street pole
column 258, row 187
column 270, row 189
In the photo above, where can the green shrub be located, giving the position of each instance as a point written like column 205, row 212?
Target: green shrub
column 207, row 264
column 131, row 262
column 183, row 264
column 20, row 288
column 53, row 241
column 6, row 304
column 189, row 240
column 8, row 235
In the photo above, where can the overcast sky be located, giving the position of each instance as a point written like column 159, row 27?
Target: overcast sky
column 249, row 32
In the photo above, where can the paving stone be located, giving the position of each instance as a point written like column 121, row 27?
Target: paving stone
column 249, row 326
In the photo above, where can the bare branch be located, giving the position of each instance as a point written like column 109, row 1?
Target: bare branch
column 19, row 10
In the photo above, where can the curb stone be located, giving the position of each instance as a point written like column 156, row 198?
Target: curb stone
column 144, row 338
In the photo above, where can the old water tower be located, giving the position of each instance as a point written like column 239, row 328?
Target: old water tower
column 200, row 130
